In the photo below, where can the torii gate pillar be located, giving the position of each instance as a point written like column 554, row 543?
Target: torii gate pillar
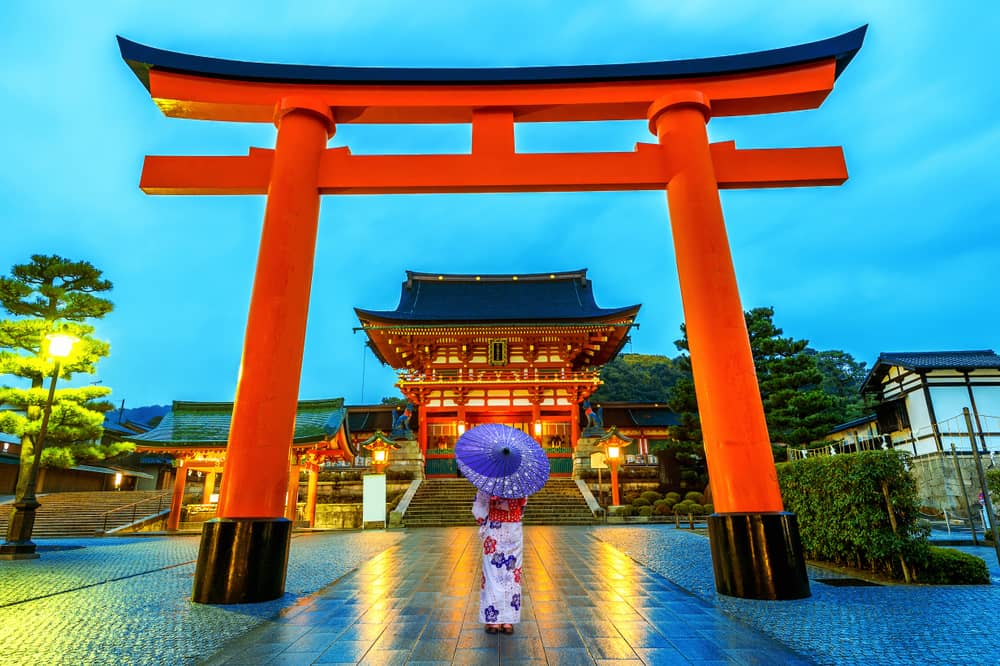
column 755, row 543
column 244, row 551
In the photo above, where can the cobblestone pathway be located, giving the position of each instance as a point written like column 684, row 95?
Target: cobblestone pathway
column 893, row 624
column 597, row 595
column 126, row 600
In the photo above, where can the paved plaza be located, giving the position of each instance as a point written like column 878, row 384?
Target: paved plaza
column 593, row 595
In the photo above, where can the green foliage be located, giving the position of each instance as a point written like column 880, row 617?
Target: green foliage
column 695, row 497
column 651, row 496
column 640, row 501
column 842, row 512
column 947, row 566
column 684, row 507
column 662, row 508
column 804, row 392
column 624, row 511
column 842, row 379
column 52, row 294
column 645, row 511
column 637, row 378
column 675, row 497
column 708, row 509
column 394, row 401
column 993, row 484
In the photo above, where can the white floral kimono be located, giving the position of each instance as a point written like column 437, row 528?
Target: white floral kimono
column 499, row 523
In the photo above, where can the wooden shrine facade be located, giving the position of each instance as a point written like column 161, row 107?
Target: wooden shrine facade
column 195, row 435
column 524, row 350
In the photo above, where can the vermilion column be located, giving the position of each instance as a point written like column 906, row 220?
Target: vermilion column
column 737, row 445
column 177, row 497
column 244, row 552
column 292, row 503
column 311, row 497
column 750, row 526
column 208, row 488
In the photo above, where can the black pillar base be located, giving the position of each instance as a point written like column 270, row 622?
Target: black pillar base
column 758, row 556
column 242, row 560
column 19, row 545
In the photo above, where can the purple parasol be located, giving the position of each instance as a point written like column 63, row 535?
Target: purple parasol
column 502, row 461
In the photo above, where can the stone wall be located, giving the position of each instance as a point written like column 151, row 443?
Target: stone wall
column 338, row 516
column 938, row 483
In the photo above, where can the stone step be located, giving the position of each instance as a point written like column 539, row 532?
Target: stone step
column 440, row 502
column 82, row 513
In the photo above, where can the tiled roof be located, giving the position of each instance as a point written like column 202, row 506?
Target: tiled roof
column 208, row 422
column 637, row 414
column 938, row 360
column 985, row 358
column 431, row 297
column 870, row 418
column 371, row 418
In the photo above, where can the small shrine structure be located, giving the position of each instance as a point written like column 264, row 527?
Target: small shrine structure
column 196, row 433
column 524, row 350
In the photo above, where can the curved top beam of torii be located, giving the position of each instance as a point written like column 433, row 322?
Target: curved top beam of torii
column 785, row 79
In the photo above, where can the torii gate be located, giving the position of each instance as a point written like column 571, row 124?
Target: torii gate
column 243, row 556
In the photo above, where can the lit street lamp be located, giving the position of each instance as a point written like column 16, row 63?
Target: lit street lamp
column 613, row 443
column 19, row 545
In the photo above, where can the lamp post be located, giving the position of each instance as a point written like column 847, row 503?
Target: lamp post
column 613, row 443
column 379, row 445
column 19, row 545
column 614, row 454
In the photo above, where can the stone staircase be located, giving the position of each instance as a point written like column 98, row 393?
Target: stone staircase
column 446, row 502
column 81, row 514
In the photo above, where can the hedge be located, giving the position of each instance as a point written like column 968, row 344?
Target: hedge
column 842, row 507
column 947, row 566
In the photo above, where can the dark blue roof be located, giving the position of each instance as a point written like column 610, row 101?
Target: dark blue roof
column 142, row 58
column 939, row 360
column 945, row 360
column 638, row 414
column 549, row 297
column 869, row 418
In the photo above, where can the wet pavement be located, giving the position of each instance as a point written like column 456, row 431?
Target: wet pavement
column 592, row 595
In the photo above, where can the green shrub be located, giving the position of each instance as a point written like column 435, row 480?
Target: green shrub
column 695, row 510
column 674, row 497
column 842, row 513
column 695, row 497
column 993, row 483
column 683, row 508
column 947, row 566
column 639, row 502
column 651, row 496
column 625, row 510
column 708, row 509
column 630, row 497
column 645, row 511
column 662, row 508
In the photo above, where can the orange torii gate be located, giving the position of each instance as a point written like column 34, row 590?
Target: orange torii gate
column 755, row 544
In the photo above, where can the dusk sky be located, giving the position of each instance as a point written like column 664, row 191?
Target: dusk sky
column 903, row 257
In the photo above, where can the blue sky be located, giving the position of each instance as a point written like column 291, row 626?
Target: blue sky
column 903, row 257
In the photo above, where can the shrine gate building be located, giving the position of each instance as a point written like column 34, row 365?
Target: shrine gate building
column 523, row 350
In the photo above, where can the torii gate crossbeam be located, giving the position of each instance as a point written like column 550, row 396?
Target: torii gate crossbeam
column 755, row 544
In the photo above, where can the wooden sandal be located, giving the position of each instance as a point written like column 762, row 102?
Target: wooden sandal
column 507, row 628
column 492, row 628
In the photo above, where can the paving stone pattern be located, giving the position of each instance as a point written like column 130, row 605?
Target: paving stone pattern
column 592, row 595
column 584, row 602
column 891, row 624
column 126, row 600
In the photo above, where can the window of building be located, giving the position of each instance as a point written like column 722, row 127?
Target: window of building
column 498, row 352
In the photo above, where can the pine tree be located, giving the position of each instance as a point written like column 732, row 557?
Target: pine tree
column 801, row 403
column 53, row 294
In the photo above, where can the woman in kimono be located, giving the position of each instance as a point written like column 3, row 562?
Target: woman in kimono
column 499, row 521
